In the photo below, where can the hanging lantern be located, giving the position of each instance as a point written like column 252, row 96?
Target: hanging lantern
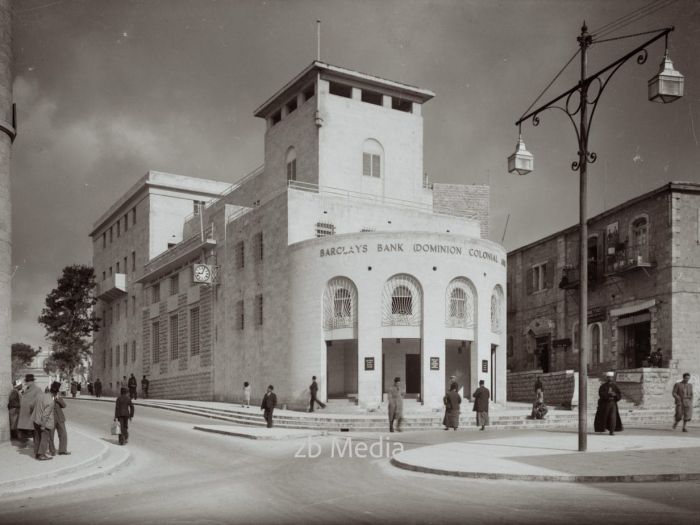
column 521, row 162
column 667, row 85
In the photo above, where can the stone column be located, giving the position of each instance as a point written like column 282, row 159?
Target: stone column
column 5, row 214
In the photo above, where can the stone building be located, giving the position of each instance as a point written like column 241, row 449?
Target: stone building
column 336, row 259
column 644, row 293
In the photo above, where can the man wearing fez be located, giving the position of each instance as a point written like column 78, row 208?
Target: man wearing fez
column 607, row 416
column 25, row 426
column 683, row 396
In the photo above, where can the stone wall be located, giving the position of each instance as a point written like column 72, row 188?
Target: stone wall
column 196, row 386
column 559, row 387
column 648, row 387
column 470, row 201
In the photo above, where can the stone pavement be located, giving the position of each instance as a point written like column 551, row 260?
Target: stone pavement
column 274, row 433
column 90, row 458
column 554, row 456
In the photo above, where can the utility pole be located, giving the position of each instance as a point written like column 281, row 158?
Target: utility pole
column 7, row 135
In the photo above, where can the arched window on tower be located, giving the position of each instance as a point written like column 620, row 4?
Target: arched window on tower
column 402, row 301
column 342, row 304
column 372, row 153
column 460, row 304
column 291, row 163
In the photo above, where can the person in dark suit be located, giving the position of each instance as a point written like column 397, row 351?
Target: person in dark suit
column 452, row 402
column 481, row 405
column 144, row 387
column 313, row 388
column 25, row 425
column 683, row 397
column 124, row 412
column 98, row 388
column 607, row 416
column 269, row 402
column 13, row 405
column 132, row 384
column 59, row 422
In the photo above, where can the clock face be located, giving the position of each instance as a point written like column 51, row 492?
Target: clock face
column 202, row 273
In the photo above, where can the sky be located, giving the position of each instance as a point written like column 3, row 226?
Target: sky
column 107, row 90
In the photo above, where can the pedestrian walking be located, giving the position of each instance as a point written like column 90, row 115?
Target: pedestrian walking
column 43, row 422
column 607, row 416
column 481, row 405
column 144, row 387
column 313, row 389
column 59, row 424
column 98, row 388
column 123, row 412
column 452, row 402
column 25, row 426
column 73, row 388
column 90, row 389
column 132, row 384
column 13, row 404
column 246, row 394
column 683, row 396
column 269, row 402
column 395, row 405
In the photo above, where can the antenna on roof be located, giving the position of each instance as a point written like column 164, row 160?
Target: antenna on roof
column 318, row 40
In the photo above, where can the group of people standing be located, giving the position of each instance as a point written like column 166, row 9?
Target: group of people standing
column 453, row 401
column 38, row 415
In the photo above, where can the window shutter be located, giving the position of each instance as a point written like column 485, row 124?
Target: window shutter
column 528, row 280
column 367, row 164
column 549, row 273
column 376, row 166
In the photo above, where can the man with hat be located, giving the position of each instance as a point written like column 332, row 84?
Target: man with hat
column 607, row 416
column 395, row 405
column 43, row 420
column 59, row 422
column 683, row 396
column 25, row 426
column 13, row 405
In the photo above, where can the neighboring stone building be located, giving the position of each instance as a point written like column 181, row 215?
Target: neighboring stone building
column 644, row 294
column 335, row 259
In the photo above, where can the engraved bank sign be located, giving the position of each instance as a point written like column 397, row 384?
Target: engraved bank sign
column 419, row 248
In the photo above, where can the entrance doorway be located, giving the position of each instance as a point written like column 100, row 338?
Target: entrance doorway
column 401, row 357
column 542, row 353
column 636, row 341
column 341, row 368
column 458, row 364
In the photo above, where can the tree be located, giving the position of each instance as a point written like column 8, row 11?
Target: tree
column 22, row 356
column 69, row 318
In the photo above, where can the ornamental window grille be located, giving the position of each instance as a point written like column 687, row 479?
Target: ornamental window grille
column 497, row 310
column 104, row 359
column 194, row 331
column 324, row 229
column 117, row 354
column 240, row 255
column 460, row 307
column 402, row 302
column 174, row 284
column 340, row 304
column 126, row 353
column 133, row 351
column 259, row 310
column 155, row 341
column 259, row 246
column 173, row 337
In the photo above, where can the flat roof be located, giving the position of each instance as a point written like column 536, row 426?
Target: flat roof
column 419, row 93
column 683, row 187
column 160, row 179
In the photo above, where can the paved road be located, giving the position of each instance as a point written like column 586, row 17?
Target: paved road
column 179, row 475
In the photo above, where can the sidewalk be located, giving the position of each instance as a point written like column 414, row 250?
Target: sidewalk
column 554, row 456
column 274, row 433
column 90, row 457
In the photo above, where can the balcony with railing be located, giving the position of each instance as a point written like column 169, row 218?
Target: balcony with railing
column 627, row 258
column 571, row 275
column 111, row 288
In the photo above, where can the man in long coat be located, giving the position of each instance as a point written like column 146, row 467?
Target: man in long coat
column 13, row 405
column 395, row 405
column 452, row 402
column 269, row 402
column 98, row 388
column 683, row 396
column 123, row 412
column 25, row 426
column 607, row 416
column 43, row 421
column 132, row 384
column 481, row 405
column 59, row 422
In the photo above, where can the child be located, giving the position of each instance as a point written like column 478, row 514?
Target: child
column 246, row 394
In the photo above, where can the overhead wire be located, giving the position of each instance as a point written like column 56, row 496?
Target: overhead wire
column 551, row 82
column 635, row 18
column 623, row 18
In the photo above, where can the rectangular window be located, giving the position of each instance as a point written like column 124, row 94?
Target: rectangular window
column 292, row 170
column 259, row 246
column 174, row 284
column 126, row 223
column 126, row 268
column 117, row 267
column 133, row 261
column 104, row 358
column 309, row 91
column 291, row 105
column 173, row 337
column 155, row 293
column 110, row 271
column 117, row 355
column 240, row 315
column 259, row 310
column 133, row 215
column 538, row 277
column 194, row 331
column 133, row 304
column 111, row 234
column 119, row 227
column 240, row 255
column 371, row 165
column 371, row 97
column 118, row 309
column 401, row 104
column 324, row 229
column 276, row 117
column 104, row 275
column 198, row 206
column 126, row 353
column 341, row 90
column 155, row 341
column 104, row 239
column 126, row 307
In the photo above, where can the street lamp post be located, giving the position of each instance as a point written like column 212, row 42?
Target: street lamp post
column 665, row 87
